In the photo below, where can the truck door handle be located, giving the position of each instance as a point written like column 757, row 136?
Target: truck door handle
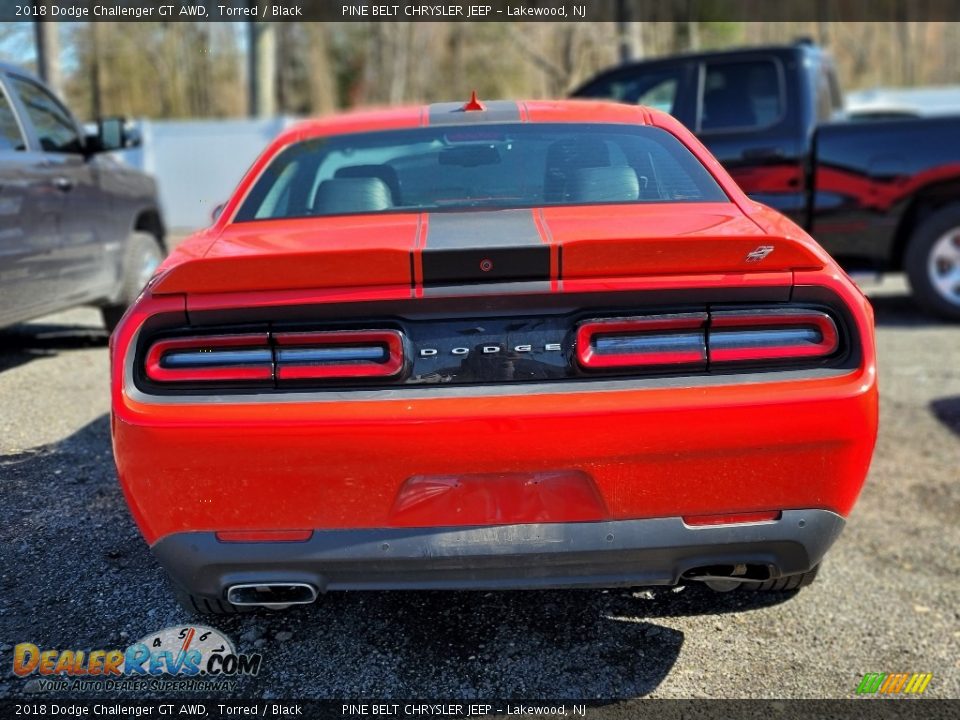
column 63, row 184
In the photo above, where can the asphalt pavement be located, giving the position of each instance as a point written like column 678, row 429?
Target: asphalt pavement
column 76, row 574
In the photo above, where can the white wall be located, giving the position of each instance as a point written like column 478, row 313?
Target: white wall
column 198, row 163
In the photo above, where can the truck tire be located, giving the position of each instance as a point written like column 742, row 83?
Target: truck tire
column 141, row 258
column 932, row 262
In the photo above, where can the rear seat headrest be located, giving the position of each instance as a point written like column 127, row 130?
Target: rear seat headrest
column 352, row 195
column 603, row 184
column 383, row 172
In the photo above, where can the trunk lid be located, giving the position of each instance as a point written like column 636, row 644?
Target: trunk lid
column 418, row 251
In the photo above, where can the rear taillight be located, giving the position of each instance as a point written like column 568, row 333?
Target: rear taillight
column 655, row 340
column 223, row 358
column 691, row 340
column 759, row 335
column 338, row 354
column 262, row 357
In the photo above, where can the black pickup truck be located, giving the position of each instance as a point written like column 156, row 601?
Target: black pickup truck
column 879, row 195
column 77, row 227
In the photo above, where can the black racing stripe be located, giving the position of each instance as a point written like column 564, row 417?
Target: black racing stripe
column 532, row 287
column 484, row 247
column 452, row 113
column 486, row 265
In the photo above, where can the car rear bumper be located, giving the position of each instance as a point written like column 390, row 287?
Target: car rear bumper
column 618, row 553
column 467, row 461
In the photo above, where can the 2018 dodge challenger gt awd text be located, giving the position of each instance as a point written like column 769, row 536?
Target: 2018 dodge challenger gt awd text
column 492, row 345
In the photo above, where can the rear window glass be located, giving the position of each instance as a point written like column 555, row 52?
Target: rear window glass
column 741, row 95
column 491, row 166
column 657, row 90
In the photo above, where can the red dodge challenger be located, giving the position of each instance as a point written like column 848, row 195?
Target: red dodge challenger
column 501, row 345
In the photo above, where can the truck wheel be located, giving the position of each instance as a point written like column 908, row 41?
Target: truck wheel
column 203, row 606
column 932, row 262
column 142, row 257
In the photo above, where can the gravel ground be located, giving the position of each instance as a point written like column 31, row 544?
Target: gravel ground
column 77, row 575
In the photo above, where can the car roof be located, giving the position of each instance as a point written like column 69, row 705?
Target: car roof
column 798, row 48
column 453, row 114
column 802, row 48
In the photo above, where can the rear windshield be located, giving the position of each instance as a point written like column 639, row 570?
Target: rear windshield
column 478, row 167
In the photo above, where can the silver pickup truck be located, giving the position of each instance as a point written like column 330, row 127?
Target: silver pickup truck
column 77, row 227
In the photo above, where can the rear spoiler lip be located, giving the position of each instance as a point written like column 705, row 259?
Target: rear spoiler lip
column 576, row 261
column 400, row 293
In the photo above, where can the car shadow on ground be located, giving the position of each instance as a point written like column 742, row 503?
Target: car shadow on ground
column 21, row 344
column 900, row 310
column 947, row 411
column 82, row 576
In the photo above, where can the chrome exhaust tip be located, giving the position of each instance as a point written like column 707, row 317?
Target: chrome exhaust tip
column 275, row 596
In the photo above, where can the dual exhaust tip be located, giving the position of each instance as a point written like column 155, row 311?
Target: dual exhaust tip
column 271, row 595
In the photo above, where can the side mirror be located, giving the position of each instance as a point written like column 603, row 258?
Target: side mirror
column 115, row 134
column 215, row 215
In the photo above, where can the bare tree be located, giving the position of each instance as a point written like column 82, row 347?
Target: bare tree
column 48, row 54
column 263, row 69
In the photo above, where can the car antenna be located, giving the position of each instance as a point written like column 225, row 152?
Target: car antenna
column 473, row 104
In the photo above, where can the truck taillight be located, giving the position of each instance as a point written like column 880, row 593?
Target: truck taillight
column 338, row 354
column 654, row 340
column 701, row 340
column 216, row 358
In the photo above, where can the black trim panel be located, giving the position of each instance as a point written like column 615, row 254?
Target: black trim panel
column 485, row 265
column 484, row 247
column 655, row 551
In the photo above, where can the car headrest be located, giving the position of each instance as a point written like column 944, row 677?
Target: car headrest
column 383, row 172
column 351, row 195
column 603, row 184
column 565, row 157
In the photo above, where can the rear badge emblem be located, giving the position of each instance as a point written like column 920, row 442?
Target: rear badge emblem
column 759, row 253
column 495, row 349
column 486, row 265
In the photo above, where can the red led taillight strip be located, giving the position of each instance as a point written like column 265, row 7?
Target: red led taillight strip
column 330, row 355
column 339, row 354
column 642, row 341
column 692, row 340
column 222, row 358
column 758, row 335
